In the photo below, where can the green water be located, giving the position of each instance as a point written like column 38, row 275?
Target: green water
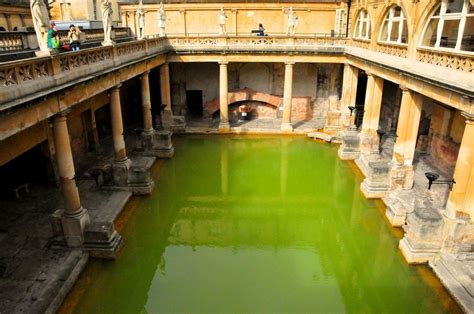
column 256, row 224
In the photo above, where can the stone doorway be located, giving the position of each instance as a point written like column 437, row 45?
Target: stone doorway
column 194, row 103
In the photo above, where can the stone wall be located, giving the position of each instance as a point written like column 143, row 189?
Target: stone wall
column 316, row 87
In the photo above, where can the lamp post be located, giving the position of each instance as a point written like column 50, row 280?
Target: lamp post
column 380, row 133
column 433, row 179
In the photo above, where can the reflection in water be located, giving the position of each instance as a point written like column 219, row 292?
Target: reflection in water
column 255, row 224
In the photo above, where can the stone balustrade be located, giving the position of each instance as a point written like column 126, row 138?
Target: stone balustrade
column 15, row 41
column 26, row 77
column 456, row 61
column 397, row 50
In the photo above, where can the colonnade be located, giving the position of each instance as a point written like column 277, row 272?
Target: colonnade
column 75, row 218
column 224, row 125
column 461, row 198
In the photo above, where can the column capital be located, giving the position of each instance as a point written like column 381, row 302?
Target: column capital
column 146, row 73
column 223, row 62
column 347, row 65
column 368, row 73
column 116, row 88
column 62, row 115
column 289, row 62
column 405, row 89
column 469, row 117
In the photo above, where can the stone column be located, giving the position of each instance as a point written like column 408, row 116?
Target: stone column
column 287, row 97
column 122, row 163
column 407, row 134
column 146, row 102
column 372, row 106
column 74, row 217
column 167, row 116
column 223, row 97
column 461, row 197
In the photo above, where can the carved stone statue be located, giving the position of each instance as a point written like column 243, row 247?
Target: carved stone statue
column 40, row 16
column 162, row 20
column 141, row 20
column 221, row 20
column 107, row 22
column 292, row 21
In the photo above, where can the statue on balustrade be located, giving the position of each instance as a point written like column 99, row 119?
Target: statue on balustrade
column 221, row 20
column 40, row 16
column 162, row 20
column 141, row 20
column 292, row 21
column 107, row 22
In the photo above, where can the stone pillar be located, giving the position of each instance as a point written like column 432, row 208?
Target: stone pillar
column 287, row 98
column 167, row 115
column 223, row 97
column 407, row 134
column 122, row 163
column 349, row 149
column 74, row 218
column 152, row 143
column 461, row 197
column 372, row 106
column 146, row 102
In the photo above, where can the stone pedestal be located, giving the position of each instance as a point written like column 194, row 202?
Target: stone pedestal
column 368, row 143
column 397, row 208
column 377, row 182
column 70, row 226
column 349, row 149
column 402, row 177
column 333, row 122
column 154, row 143
column 133, row 175
column 287, row 127
column 102, row 240
column 179, row 124
column 424, row 230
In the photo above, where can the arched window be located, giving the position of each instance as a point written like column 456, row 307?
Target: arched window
column 2, row 29
column 451, row 26
column 362, row 27
column 394, row 27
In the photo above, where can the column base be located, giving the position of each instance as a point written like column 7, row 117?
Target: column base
column 368, row 143
column 414, row 255
column 70, row 226
column 402, row 177
column 376, row 184
column 287, row 127
column 133, row 175
column 396, row 212
column 224, row 127
column 102, row 241
column 363, row 162
column 349, row 149
column 424, row 230
column 155, row 144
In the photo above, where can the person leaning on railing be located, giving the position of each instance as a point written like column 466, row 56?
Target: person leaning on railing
column 74, row 37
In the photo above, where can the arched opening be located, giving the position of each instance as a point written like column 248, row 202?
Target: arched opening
column 2, row 29
column 450, row 26
column 394, row 28
column 362, row 29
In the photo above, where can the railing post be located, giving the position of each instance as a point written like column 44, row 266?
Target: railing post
column 55, row 65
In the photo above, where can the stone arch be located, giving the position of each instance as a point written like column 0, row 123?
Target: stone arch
column 378, row 26
column 241, row 95
column 255, row 76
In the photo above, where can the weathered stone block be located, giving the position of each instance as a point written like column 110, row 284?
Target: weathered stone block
column 73, row 227
column 377, row 182
column 402, row 177
column 349, row 149
column 424, row 229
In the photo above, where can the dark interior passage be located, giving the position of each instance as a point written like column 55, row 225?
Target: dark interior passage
column 360, row 99
column 194, row 103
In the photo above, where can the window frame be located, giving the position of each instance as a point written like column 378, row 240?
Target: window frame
column 390, row 18
column 363, row 19
column 442, row 17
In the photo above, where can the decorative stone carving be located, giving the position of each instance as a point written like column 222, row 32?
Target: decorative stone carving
column 162, row 20
column 107, row 22
column 141, row 20
column 40, row 16
column 292, row 22
column 221, row 20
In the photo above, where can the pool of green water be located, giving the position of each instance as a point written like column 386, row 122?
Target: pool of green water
column 256, row 224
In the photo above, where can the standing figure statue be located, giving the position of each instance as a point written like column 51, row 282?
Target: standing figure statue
column 292, row 21
column 221, row 20
column 40, row 16
column 162, row 20
column 107, row 22
column 141, row 20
